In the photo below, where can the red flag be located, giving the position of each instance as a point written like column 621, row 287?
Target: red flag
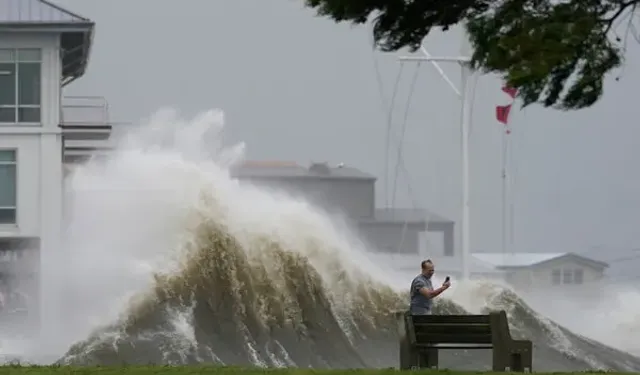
column 511, row 91
column 502, row 113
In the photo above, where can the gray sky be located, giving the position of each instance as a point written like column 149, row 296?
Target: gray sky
column 297, row 87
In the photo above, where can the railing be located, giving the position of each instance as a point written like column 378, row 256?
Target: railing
column 84, row 110
column 85, row 118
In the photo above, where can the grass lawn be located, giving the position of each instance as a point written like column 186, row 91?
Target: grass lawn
column 211, row 370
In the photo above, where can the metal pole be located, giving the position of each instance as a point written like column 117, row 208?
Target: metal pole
column 465, row 109
column 455, row 59
column 504, row 192
column 464, row 150
column 509, row 186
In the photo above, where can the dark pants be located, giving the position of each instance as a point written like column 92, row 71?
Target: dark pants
column 415, row 310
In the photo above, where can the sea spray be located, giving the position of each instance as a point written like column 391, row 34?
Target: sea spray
column 171, row 260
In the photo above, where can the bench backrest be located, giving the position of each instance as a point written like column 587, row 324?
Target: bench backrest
column 449, row 329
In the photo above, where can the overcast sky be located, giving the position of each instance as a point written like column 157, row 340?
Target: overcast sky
column 297, row 87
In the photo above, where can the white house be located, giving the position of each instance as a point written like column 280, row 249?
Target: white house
column 540, row 271
column 43, row 47
column 526, row 272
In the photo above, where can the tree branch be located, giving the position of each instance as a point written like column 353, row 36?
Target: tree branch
column 623, row 6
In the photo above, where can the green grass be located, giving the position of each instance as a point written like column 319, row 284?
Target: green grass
column 211, row 370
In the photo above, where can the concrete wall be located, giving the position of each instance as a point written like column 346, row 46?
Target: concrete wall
column 354, row 198
column 392, row 237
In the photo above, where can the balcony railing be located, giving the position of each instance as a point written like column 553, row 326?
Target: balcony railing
column 85, row 118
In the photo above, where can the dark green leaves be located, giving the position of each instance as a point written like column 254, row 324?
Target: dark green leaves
column 556, row 53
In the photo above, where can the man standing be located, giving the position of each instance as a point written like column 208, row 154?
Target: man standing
column 422, row 292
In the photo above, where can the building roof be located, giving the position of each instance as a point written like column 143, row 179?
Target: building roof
column 400, row 216
column 280, row 169
column 520, row 260
column 42, row 15
column 36, row 11
column 409, row 215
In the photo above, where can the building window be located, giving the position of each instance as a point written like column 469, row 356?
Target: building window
column 578, row 276
column 20, row 79
column 8, row 186
column 567, row 276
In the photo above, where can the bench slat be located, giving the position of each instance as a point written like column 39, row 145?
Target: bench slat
column 455, row 346
column 443, row 338
column 461, row 319
column 453, row 328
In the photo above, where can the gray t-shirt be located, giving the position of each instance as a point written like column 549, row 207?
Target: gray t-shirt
column 420, row 305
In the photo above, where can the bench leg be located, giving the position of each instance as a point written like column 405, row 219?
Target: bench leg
column 500, row 359
column 515, row 362
column 527, row 361
column 524, row 361
column 409, row 356
column 413, row 359
column 430, row 359
column 515, row 359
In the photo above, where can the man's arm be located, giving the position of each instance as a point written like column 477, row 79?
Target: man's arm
column 431, row 293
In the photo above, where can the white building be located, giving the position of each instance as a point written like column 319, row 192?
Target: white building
column 530, row 272
column 43, row 47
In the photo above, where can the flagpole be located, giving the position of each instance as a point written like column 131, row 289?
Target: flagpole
column 502, row 115
column 464, row 151
column 504, row 192
column 465, row 109
column 510, row 197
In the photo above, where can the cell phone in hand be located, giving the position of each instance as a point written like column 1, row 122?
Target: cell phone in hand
column 446, row 280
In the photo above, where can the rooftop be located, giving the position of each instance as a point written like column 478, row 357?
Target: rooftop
column 285, row 169
column 36, row 11
column 44, row 16
column 515, row 260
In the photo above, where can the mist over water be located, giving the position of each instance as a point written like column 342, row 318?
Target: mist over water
column 168, row 259
column 134, row 215
column 608, row 313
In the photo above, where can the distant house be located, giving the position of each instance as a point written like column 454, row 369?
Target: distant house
column 528, row 271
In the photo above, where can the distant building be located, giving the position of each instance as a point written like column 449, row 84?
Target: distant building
column 351, row 192
column 397, row 230
column 336, row 189
column 530, row 271
column 339, row 189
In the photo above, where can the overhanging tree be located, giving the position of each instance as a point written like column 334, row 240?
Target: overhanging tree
column 555, row 52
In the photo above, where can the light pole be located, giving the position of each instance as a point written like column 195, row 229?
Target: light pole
column 465, row 107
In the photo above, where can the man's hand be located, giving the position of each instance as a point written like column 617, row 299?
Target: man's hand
column 446, row 285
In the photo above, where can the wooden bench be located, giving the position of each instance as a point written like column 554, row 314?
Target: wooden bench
column 421, row 336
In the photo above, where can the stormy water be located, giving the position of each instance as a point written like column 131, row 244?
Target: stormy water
column 170, row 260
